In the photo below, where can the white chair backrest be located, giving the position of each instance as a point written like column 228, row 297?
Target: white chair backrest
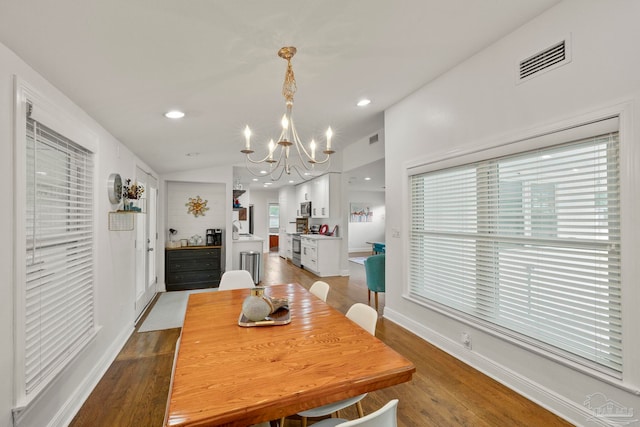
column 365, row 316
column 387, row 416
column 320, row 289
column 236, row 279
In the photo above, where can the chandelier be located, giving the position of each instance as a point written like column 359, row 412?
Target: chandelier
column 278, row 155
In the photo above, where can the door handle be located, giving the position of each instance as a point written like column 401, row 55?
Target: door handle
column 150, row 250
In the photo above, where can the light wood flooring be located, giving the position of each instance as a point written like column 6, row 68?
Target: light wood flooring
column 443, row 392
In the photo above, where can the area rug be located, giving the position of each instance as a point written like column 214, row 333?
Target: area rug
column 358, row 259
column 168, row 311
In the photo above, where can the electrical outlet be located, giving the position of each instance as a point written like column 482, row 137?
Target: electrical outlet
column 466, row 340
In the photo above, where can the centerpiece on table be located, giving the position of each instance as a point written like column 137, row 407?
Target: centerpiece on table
column 260, row 308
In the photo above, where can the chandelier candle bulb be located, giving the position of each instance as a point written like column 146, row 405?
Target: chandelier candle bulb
column 329, row 135
column 272, row 146
column 312, row 145
column 247, row 139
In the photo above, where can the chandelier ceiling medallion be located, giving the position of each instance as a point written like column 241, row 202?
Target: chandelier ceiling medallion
column 278, row 154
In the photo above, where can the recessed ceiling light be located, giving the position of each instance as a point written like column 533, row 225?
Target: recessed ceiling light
column 263, row 172
column 268, row 183
column 367, row 179
column 255, row 179
column 291, row 181
column 174, row 114
column 363, row 102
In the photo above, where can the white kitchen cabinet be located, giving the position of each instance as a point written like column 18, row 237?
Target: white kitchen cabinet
column 320, row 194
column 303, row 194
column 326, row 196
column 321, row 255
column 284, row 248
column 289, row 247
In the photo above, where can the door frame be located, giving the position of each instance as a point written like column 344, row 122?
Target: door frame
column 146, row 239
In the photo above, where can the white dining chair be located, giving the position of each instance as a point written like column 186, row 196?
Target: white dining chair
column 236, row 279
column 367, row 318
column 387, row 416
column 320, row 289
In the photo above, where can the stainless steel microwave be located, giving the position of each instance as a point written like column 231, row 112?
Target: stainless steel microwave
column 305, row 209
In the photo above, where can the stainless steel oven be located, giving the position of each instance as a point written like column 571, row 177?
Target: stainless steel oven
column 296, row 250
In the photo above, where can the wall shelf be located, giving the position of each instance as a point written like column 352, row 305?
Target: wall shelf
column 134, row 205
column 121, row 221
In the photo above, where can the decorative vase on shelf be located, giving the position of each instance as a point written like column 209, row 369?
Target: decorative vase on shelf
column 257, row 306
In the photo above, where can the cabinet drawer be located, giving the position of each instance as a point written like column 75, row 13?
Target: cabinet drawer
column 191, row 277
column 312, row 264
column 193, row 254
column 193, row 265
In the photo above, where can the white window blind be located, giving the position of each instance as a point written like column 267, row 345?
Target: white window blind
column 59, row 253
column 529, row 244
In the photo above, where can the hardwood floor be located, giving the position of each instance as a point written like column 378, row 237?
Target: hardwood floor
column 443, row 392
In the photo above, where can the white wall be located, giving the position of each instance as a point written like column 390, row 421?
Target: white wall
column 478, row 104
column 222, row 177
column 114, row 268
column 361, row 152
column 362, row 232
column 178, row 217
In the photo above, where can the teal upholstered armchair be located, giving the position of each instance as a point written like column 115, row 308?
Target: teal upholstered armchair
column 374, row 269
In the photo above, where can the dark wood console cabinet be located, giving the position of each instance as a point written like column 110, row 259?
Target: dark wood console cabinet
column 193, row 267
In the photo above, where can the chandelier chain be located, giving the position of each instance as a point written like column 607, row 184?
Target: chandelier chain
column 289, row 86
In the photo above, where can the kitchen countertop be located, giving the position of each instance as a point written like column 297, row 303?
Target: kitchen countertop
column 248, row 238
column 320, row 237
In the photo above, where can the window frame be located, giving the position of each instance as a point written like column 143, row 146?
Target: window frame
column 277, row 228
column 540, row 136
column 59, row 118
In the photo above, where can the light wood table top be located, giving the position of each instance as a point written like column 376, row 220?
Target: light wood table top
column 236, row 376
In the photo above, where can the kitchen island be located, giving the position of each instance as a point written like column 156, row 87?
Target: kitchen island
column 321, row 254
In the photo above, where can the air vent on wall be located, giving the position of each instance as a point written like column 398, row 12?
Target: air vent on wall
column 546, row 60
column 373, row 138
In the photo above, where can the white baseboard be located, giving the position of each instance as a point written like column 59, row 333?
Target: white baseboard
column 71, row 407
column 548, row 399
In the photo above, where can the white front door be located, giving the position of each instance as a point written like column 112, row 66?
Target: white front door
column 146, row 238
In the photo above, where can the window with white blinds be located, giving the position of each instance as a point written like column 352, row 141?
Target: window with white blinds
column 529, row 245
column 58, row 293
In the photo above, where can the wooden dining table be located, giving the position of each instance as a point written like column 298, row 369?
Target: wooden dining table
column 229, row 375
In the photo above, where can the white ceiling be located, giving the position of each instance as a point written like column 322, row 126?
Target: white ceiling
column 128, row 62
